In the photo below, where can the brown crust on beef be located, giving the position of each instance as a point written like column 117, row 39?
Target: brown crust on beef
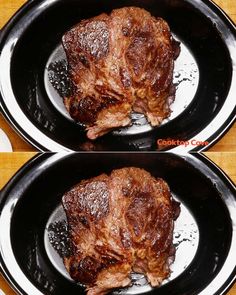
column 118, row 63
column 118, row 224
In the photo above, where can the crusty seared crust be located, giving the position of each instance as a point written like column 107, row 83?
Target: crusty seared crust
column 118, row 63
column 119, row 224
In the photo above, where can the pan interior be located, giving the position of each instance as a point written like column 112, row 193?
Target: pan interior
column 204, row 221
column 204, row 81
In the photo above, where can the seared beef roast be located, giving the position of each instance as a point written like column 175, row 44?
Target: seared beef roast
column 118, row 63
column 120, row 224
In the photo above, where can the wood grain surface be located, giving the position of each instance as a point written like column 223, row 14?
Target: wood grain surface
column 7, row 9
column 11, row 162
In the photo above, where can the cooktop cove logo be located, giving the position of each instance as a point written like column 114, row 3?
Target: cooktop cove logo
column 176, row 142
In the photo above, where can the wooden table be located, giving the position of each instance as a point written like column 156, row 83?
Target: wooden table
column 11, row 162
column 8, row 7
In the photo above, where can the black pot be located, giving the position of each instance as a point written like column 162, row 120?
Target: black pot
column 205, row 234
column 205, row 103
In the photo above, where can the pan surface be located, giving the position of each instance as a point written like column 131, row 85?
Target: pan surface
column 33, row 222
column 31, row 54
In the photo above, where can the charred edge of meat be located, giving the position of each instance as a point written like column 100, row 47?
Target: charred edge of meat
column 93, row 38
column 86, row 109
column 87, row 269
column 176, row 209
column 176, row 48
column 92, row 199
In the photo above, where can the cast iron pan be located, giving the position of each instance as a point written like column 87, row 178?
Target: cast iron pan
column 33, row 223
column 204, row 73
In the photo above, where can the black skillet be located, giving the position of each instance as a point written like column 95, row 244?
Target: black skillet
column 31, row 215
column 205, row 74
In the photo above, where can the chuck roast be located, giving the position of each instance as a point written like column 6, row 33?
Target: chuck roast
column 120, row 224
column 120, row 63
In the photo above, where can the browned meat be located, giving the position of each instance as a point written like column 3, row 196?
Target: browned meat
column 120, row 224
column 118, row 63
